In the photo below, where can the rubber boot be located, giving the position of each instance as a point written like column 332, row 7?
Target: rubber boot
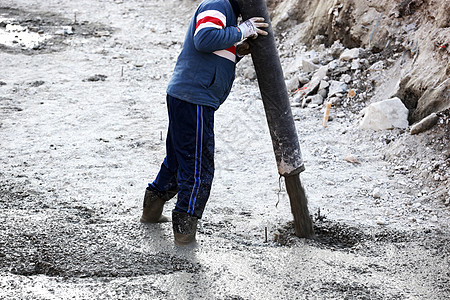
column 153, row 207
column 184, row 228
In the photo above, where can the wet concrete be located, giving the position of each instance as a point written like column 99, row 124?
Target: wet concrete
column 76, row 156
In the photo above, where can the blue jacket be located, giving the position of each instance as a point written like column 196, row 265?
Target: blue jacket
column 205, row 69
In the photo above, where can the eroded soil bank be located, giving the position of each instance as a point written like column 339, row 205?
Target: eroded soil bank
column 82, row 131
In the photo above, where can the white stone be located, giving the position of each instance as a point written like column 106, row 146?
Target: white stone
column 387, row 114
column 294, row 66
column 356, row 65
column 376, row 193
column 323, row 93
column 337, row 87
column 425, row 124
column 346, row 78
column 297, row 98
column 333, row 65
column 308, row 66
column 292, row 84
column 323, row 85
column 381, row 221
column 316, row 99
column 378, row 66
column 336, row 49
column 303, row 80
column 366, row 178
column 350, row 54
column 249, row 73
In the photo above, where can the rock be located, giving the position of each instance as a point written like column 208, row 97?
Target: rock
column 304, row 80
column 387, row 114
column 2, row 83
column 297, row 98
column 315, row 61
column 332, row 65
column 350, row 54
column 333, row 100
column 294, row 66
column 316, row 99
column 323, row 85
column 304, row 101
column 381, row 221
column 102, row 33
column 336, row 87
column 312, row 105
column 356, row 65
column 308, row 66
column 292, row 84
column 378, row 66
column 352, row 159
column 346, row 78
column 336, row 49
column 425, row 124
column 249, row 73
column 315, row 81
column 376, row 193
column 323, row 93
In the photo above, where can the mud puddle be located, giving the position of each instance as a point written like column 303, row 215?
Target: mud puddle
column 34, row 33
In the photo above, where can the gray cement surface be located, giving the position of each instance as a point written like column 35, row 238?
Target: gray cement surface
column 82, row 131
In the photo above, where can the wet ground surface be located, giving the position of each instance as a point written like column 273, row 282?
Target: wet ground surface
column 82, row 127
column 44, row 32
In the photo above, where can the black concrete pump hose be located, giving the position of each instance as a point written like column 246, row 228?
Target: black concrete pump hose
column 279, row 115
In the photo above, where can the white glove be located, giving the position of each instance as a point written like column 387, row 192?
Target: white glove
column 250, row 27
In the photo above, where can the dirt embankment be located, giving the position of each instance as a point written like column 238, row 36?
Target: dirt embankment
column 403, row 48
column 413, row 33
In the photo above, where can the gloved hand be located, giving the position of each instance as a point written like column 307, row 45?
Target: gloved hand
column 242, row 49
column 250, row 27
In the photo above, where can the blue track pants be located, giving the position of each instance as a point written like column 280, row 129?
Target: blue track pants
column 189, row 162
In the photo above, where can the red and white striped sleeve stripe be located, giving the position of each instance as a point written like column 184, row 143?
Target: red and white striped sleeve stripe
column 210, row 19
column 229, row 53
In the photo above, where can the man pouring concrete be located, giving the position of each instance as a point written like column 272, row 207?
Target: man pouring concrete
column 201, row 82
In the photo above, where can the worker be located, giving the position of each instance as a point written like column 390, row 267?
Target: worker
column 201, row 81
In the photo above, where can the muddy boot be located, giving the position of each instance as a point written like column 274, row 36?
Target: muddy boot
column 153, row 207
column 184, row 228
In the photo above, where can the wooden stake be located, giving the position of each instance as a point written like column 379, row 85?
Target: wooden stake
column 326, row 114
